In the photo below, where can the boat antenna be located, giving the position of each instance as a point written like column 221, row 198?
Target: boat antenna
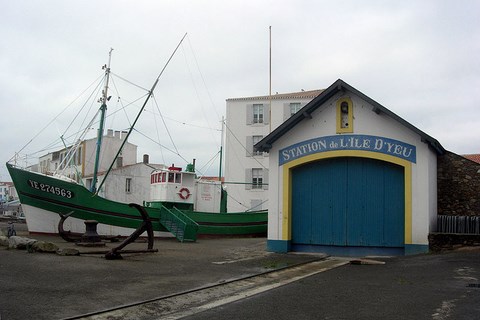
column 150, row 93
column 103, row 109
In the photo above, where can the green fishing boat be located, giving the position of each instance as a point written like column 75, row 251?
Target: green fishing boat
column 181, row 205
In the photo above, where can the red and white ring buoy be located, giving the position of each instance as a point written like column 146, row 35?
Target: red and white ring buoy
column 184, row 193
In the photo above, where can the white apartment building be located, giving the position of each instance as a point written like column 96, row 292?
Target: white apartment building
column 249, row 119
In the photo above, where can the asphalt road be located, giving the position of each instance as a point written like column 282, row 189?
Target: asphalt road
column 434, row 286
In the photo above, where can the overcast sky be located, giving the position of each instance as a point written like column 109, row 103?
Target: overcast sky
column 420, row 59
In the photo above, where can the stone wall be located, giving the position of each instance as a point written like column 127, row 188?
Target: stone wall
column 458, row 185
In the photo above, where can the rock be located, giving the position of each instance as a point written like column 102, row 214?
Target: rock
column 21, row 243
column 68, row 252
column 42, row 246
column 4, row 241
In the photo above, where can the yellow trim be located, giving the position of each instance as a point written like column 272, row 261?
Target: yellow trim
column 287, row 184
column 350, row 116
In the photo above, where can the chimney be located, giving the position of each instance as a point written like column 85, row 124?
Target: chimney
column 109, row 133
column 145, row 158
column 124, row 134
column 117, row 134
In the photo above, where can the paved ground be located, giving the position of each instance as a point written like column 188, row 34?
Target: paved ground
column 47, row 286
column 437, row 287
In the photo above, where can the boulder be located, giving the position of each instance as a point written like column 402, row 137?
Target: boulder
column 4, row 241
column 21, row 243
column 42, row 246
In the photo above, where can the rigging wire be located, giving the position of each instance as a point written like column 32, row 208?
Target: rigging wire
column 130, row 82
column 166, row 128
column 54, row 119
column 203, row 78
column 197, row 94
column 119, row 101
column 245, row 148
column 166, row 148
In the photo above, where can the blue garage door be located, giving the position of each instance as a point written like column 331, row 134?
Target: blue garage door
column 348, row 202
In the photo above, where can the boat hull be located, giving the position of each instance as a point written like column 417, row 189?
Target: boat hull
column 235, row 224
column 45, row 197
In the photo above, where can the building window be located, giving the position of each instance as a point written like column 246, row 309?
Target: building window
column 258, row 113
column 79, row 156
column 119, row 162
column 257, row 178
column 294, row 107
column 128, row 185
column 255, row 140
column 344, row 115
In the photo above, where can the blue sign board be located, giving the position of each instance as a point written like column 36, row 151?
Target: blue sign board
column 349, row 142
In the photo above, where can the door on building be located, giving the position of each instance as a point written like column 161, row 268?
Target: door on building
column 348, row 201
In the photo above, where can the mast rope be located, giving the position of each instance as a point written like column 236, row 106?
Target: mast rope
column 54, row 119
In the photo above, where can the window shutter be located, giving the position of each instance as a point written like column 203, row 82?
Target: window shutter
column 249, row 114
column 249, row 146
column 265, row 179
column 286, row 111
column 248, row 179
column 266, row 113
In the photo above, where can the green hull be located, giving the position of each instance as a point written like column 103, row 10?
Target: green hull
column 60, row 196
column 254, row 223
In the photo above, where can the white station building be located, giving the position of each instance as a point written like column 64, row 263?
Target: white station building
column 347, row 175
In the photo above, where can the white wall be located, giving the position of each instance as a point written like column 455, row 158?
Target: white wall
column 236, row 159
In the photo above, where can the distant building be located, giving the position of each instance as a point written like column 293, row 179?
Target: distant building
column 127, row 182
column 80, row 163
column 7, row 192
column 249, row 119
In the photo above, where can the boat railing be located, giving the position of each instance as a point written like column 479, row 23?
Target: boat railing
column 180, row 225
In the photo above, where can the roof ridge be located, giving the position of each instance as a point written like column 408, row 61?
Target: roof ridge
column 300, row 94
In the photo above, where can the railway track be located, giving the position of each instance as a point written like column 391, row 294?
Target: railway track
column 190, row 302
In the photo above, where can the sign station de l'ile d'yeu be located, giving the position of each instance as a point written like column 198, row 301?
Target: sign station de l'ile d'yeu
column 348, row 142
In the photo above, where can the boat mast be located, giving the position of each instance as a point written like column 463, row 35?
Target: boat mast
column 150, row 93
column 103, row 109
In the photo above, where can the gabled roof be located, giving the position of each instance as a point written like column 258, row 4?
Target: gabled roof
column 338, row 86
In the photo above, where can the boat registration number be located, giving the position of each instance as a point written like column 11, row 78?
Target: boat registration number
column 51, row 189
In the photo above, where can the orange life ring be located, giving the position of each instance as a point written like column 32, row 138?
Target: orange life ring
column 184, row 193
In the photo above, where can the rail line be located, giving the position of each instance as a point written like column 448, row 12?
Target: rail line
column 177, row 306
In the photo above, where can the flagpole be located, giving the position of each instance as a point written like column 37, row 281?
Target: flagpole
column 270, row 77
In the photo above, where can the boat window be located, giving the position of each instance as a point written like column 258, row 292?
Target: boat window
column 164, row 176
column 178, row 178
column 171, row 177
